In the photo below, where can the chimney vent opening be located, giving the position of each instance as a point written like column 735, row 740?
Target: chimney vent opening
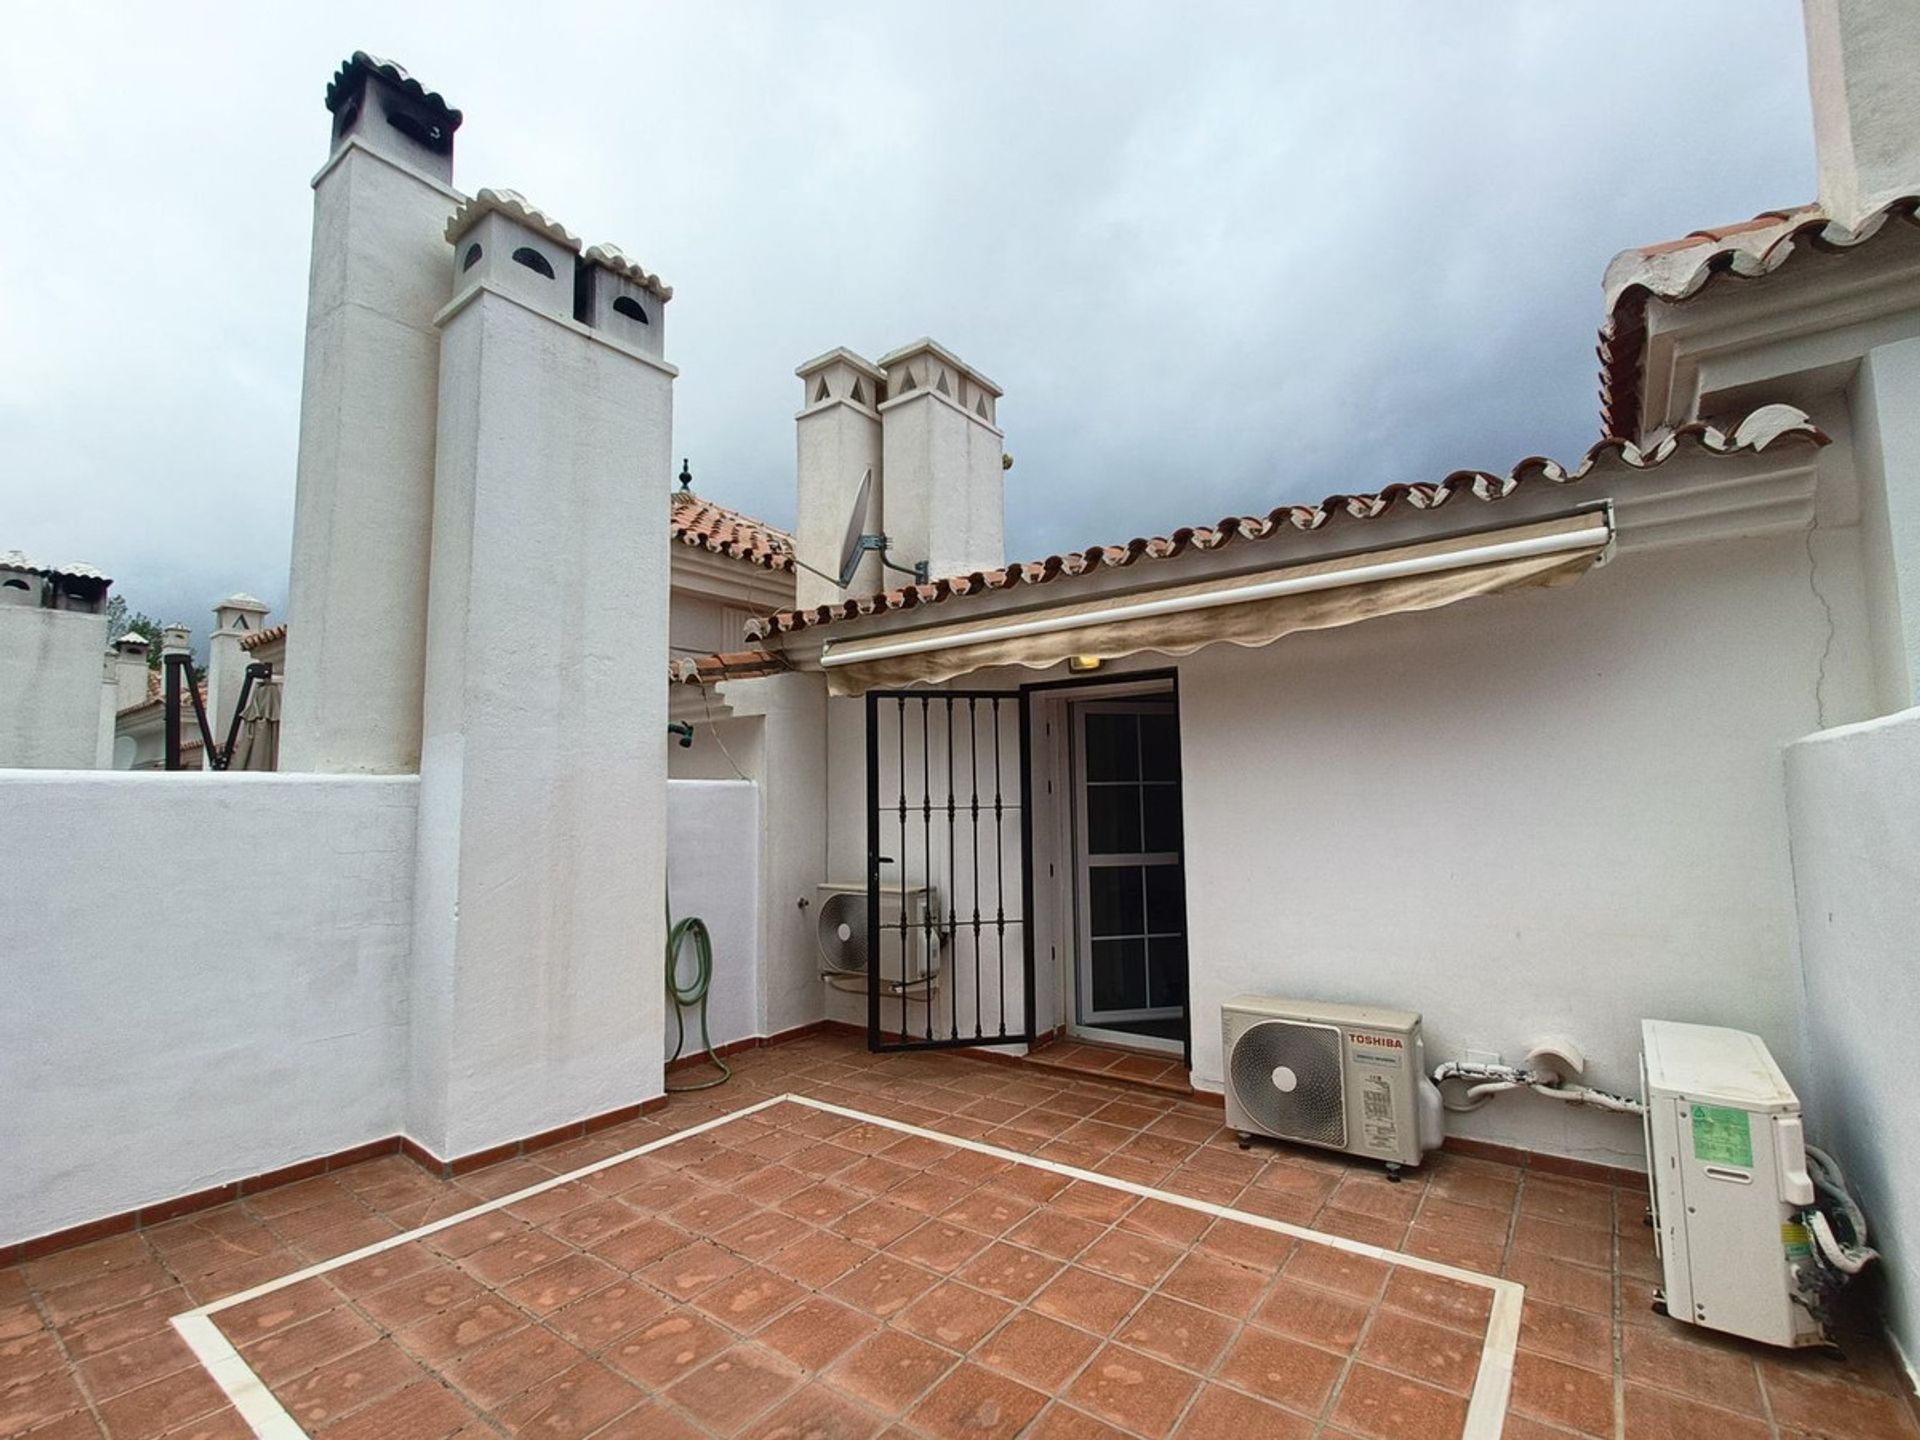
column 631, row 308
column 473, row 258
column 526, row 255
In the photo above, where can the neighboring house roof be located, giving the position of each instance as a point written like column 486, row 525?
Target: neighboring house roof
column 1681, row 270
column 264, row 637
column 701, row 523
column 734, row 665
column 157, row 695
column 1764, row 427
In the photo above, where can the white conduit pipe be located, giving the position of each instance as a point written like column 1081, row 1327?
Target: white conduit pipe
column 1493, row 1079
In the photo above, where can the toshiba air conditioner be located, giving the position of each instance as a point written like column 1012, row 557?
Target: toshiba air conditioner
column 1343, row 1077
column 911, row 927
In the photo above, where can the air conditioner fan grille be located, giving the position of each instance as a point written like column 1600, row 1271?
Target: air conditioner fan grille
column 1309, row 1058
column 842, row 933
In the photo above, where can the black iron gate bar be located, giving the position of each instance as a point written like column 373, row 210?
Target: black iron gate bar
column 944, row 929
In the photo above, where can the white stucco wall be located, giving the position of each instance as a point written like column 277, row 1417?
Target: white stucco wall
column 1853, row 799
column 1549, row 812
column 205, row 980
column 713, row 871
column 50, row 687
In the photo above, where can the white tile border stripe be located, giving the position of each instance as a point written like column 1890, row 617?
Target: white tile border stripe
column 1486, row 1408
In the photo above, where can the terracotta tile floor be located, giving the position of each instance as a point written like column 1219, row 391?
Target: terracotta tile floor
column 796, row 1274
column 1146, row 1069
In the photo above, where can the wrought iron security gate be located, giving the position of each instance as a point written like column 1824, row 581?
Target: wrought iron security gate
column 949, row 881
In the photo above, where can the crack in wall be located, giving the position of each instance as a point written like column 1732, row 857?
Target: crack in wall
column 1826, row 650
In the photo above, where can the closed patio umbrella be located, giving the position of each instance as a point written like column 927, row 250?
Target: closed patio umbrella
column 258, row 747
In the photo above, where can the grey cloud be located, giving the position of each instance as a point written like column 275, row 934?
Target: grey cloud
column 1220, row 256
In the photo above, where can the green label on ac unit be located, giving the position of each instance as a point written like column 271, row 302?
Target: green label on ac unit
column 1721, row 1136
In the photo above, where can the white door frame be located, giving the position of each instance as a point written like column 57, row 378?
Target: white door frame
column 1081, row 1019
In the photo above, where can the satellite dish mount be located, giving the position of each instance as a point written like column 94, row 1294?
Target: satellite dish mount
column 860, row 542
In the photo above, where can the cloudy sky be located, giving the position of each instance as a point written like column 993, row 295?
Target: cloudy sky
column 1219, row 256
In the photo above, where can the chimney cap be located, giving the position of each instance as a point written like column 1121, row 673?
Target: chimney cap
column 612, row 257
column 240, row 600
column 131, row 640
column 354, row 71
column 840, row 355
column 514, row 206
column 927, row 345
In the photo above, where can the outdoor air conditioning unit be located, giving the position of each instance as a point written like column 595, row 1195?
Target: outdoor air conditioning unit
column 1730, row 1185
column 1343, row 1077
column 840, row 929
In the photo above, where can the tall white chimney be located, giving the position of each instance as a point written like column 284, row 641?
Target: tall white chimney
column 1863, row 57
column 234, row 619
column 542, row 842
column 941, row 451
column 363, row 505
column 837, row 436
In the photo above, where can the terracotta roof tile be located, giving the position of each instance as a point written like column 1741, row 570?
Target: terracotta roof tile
column 1764, row 427
column 1681, row 270
column 735, row 665
column 265, row 637
column 701, row 523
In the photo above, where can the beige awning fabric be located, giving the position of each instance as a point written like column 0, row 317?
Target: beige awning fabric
column 1250, row 610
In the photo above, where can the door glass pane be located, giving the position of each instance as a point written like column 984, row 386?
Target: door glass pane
column 1162, row 806
column 1113, row 746
column 1159, row 747
column 1114, row 900
column 1119, row 974
column 1166, row 900
column 1167, row 974
column 1113, row 819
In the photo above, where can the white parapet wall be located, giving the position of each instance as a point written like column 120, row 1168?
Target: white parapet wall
column 207, row 975
column 1853, row 804
column 205, row 981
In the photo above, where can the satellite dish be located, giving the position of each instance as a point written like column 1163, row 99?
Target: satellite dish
column 852, row 548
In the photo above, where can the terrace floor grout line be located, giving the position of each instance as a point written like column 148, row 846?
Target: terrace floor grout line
column 269, row 1420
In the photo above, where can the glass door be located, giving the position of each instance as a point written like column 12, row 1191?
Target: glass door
column 1131, row 959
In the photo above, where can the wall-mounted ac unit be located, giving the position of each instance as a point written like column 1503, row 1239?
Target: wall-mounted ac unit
column 1343, row 1077
column 1727, row 1172
column 908, row 956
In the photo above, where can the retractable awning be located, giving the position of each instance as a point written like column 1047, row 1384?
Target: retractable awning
column 1249, row 610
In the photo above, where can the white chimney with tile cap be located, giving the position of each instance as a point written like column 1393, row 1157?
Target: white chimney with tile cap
column 541, row 849
column 363, row 503
column 1863, row 57
column 942, row 455
column 131, row 667
column 837, row 442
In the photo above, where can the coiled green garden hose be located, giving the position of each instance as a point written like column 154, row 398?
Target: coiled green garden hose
column 694, row 994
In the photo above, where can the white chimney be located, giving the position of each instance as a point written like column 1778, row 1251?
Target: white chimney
column 942, row 457
column 234, row 619
column 130, row 670
column 1863, row 56
column 837, row 439
column 363, row 500
column 542, row 839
